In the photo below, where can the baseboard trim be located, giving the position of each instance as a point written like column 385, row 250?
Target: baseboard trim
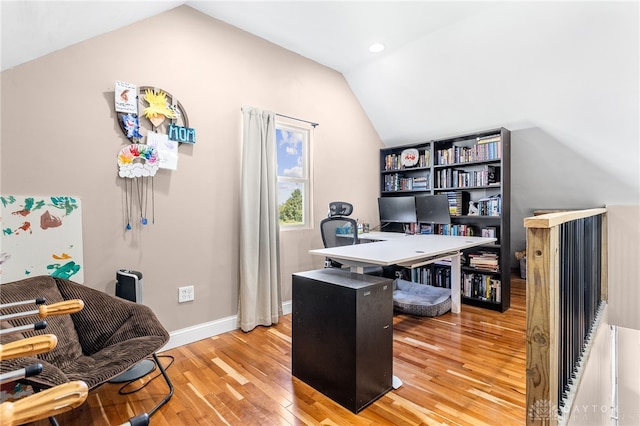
column 202, row 331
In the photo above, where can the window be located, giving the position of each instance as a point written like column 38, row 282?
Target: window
column 294, row 192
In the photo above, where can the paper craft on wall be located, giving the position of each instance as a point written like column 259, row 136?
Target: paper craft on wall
column 159, row 123
column 159, row 107
column 167, row 150
column 126, row 97
column 41, row 236
column 160, row 112
column 131, row 127
column 137, row 160
column 138, row 163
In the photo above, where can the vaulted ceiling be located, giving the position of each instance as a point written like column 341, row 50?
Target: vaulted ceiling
column 448, row 67
column 336, row 34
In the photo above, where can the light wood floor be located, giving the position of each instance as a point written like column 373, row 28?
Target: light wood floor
column 466, row 369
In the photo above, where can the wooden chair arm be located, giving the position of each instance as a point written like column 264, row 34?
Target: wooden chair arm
column 70, row 306
column 28, row 347
column 50, row 402
column 61, row 308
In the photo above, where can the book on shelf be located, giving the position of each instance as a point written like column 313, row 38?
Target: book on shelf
column 421, row 183
column 493, row 175
column 441, row 277
column 489, row 232
column 458, row 202
column 495, row 205
column 425, row 158
column 481, row 286
column 393, row 161
column 411, row 228
column 399, row 182
column 486, row 260
column 437, row 276
column 490, row 206
column 461, row 178
column 454, row 230
column 486, row 148
column 421, row 275
column 487, row 139
column 426, row 229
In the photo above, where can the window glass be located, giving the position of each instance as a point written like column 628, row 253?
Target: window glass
column 293, row 175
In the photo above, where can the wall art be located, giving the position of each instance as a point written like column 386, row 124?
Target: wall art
column 41, row 235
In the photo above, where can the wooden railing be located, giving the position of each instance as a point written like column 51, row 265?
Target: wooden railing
column 566, row 288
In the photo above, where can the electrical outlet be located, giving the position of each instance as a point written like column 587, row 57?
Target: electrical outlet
column 185, row 294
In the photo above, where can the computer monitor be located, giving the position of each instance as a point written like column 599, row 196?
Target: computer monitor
column 433, row 209
column 397, row 209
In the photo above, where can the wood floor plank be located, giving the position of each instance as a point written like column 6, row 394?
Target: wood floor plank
column 462, row 369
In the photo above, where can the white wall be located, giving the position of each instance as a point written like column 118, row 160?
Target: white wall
column 562, row 76
column 592, row 400
column 593, row 404
column 623, row 254
column 628, row 377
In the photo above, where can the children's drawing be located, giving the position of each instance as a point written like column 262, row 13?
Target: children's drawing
column 167, row 150
column 159, row 107
column 131, row 127
column 41, row 236
column 137, row 160
column 126, row 99
column 138, row 163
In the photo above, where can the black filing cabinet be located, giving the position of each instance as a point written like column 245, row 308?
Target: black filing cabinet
column 342, row 335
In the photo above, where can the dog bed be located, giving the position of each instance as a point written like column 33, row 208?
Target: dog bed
column 420, row 299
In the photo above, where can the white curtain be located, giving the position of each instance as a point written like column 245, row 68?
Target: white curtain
column 260, row 300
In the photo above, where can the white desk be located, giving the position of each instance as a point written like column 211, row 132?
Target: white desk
column 381, row 236
column 393, row 248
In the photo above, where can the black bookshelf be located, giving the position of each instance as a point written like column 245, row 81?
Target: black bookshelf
column 473, row 167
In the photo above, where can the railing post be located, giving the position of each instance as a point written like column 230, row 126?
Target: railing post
column 604, row 260
column 562, row 306
column 542, row 325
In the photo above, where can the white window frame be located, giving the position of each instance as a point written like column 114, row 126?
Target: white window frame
column 305, row 180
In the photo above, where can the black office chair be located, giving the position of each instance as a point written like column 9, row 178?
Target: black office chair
column 340, row 230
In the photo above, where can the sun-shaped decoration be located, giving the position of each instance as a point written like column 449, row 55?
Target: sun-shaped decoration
column 158, row 108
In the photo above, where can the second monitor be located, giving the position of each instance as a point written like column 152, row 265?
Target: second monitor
column 433, row 209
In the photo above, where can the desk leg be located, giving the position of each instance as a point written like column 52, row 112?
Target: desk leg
column 455, row 284
column 357, row 269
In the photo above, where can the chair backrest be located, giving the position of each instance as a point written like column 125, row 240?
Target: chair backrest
column 339, row 231
column 340, row 208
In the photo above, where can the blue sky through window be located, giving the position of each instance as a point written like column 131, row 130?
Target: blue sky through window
column 290, row 161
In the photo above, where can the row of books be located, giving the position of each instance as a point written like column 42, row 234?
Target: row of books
column 394, row 161
column 454, row 178
column 491, row 206
column 481, row 286
column 437, row 277
column 488, row 148
column 458, row 202
column 446, row 229
column 399, row 182
column 485, row 260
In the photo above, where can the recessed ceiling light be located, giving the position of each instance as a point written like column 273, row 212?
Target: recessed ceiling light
column 376, row 48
